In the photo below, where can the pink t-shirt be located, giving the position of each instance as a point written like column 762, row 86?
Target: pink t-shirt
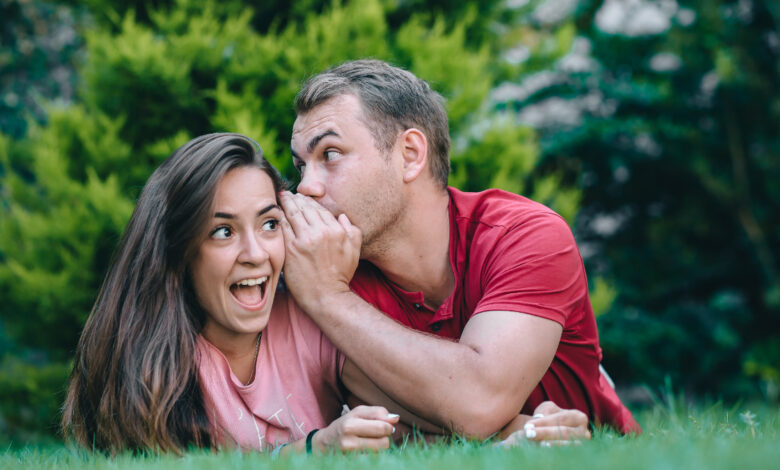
column 295, row 389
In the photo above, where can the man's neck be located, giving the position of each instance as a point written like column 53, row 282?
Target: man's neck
column 418, row 259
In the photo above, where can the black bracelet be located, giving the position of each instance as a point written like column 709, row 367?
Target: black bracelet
column 308, row 440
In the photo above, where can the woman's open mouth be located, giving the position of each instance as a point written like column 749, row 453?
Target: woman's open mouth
column 250, row 293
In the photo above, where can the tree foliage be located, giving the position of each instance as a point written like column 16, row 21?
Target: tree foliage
column 38, row 49
column 667, row 115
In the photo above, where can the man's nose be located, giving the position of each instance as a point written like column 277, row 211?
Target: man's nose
column 311, row 183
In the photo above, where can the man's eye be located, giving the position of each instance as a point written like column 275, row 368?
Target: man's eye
column 331, row 154
column 221, row 233
column 299, row 167
column 270, row 225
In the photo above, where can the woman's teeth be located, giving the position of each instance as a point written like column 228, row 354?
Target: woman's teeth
column 249, row 291
column 252, row 282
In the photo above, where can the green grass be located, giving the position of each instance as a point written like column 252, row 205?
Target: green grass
column 711, row 438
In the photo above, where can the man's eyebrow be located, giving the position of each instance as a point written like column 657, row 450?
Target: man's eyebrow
column 225, row 215
column 317, row 138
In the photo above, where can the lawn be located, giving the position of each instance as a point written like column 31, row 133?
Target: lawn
column 711, row 438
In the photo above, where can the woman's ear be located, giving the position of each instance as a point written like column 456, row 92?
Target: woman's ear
column 414, row 148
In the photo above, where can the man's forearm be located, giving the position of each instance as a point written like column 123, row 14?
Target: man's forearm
column 413, row 368
column 446, row 382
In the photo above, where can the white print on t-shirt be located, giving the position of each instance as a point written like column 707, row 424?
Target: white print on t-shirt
column 257, row 428
column 292, row 416
column 300, row 426
column 276, row 417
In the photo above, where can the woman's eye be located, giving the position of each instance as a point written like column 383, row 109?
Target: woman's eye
column 331, row 154
column 300, row 167
column 270, row 225
column 221, row 233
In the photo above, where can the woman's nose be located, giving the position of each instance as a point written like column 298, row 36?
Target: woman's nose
column 252, row 250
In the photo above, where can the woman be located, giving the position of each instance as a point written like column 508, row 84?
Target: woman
column 192, row 341
column 185, row 309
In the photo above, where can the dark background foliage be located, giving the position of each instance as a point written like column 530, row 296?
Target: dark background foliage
column 676, row 151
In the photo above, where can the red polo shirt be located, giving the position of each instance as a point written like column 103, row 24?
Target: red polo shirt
column 510, row 253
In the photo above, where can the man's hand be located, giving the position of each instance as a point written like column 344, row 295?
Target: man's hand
column 322, row 251
column 550, row 425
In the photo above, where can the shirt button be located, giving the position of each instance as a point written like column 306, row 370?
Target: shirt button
column 436, row 327
column 418, row 306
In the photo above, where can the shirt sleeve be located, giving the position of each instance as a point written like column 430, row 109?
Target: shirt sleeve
column 534, row 267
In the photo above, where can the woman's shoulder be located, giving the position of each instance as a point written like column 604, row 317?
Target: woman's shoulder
column 289, row 325
column 287, row 312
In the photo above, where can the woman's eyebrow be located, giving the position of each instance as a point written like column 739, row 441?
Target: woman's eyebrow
column 226, row 215
column 268, row 208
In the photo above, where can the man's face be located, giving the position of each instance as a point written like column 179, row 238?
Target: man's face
column 342, row 169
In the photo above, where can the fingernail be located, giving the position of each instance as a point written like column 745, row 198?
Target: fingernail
column 530, row 432
column 392, row 416
column 393, row 429
column 538, row 415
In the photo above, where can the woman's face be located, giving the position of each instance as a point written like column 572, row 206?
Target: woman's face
column 237, row 267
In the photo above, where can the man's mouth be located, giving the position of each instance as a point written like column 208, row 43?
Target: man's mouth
column 250, row 292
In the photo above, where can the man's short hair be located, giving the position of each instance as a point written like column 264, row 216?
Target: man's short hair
column 393, row 100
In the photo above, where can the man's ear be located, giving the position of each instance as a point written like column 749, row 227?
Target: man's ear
column 414, row 148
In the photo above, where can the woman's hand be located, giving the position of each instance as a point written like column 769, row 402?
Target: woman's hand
column 363, row 428
column 550, row 425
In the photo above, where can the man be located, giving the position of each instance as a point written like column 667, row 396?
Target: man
column 486, row 309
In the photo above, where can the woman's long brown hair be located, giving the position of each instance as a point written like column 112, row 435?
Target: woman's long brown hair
column 134, row 384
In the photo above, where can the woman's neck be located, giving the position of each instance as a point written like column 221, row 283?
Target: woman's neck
column 240, row 350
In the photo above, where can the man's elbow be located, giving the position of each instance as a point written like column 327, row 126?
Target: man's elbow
column 481, row 419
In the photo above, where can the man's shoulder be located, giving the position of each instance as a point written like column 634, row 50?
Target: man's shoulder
column 499, row 208
column 495, row 228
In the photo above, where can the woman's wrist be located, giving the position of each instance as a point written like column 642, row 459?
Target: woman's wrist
column 321, row 441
